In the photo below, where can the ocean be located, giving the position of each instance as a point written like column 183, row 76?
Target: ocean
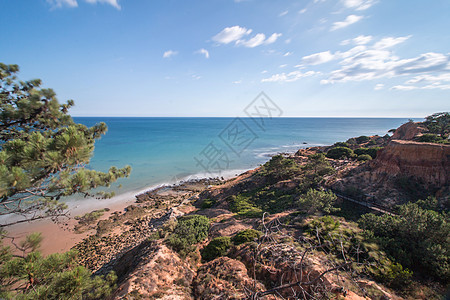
column 166, row 150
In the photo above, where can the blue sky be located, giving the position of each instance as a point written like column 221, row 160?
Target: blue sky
column 212, row 57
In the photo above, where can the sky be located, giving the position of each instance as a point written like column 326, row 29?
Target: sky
column 211, row 58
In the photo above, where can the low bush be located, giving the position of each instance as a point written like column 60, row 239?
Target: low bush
column 279, row 168
column 208, row 203
column 364, row 157
column 189, row 231
column 314, row 201
column 340, row 153
column 431, row 138
column 362, row 139
column 245, row 236
column 368, row 151
column 341, row 144
column 216, row 248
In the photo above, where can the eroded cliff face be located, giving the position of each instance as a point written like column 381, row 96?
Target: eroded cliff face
column 427, row 162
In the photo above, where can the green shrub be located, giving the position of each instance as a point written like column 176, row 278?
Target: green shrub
column 395, row 276
column 56, row 276
column 189, row 231
column 208, row 203
column 369, row 151
column 279, row 168
column 340, row 153
column 364, row 157
column 216, row 248
column 323, row 225
column 341, row 144
column 431, row 138
column 245, row 236
column 243, row 206
column 362, row 139
column 417, row 238
column 315, row 200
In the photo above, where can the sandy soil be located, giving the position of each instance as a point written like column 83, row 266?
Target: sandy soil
column 60, row 237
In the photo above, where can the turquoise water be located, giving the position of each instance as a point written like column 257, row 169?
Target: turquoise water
column 164, row 150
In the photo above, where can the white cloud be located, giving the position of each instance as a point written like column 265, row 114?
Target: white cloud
column 272, row 39
column 61, row 3
column 169, row 53
column 318, row 58
column 113, row 3
column 302, row 11
column 358, row 4
column 288, row 54
column 376, row 60
column 362, row 39
column 264, row 72
column 74, row 3
column 254, row 41
column 283, row 13
column 283, row 66
column 288, row 41
column 378, row 87
column 288, row 77
column 236, row 34
column 237, row 82
column 204, row 52
column 351, row 19
column 231, row 34
column 390, row 42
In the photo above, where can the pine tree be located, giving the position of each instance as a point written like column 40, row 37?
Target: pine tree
column 43, row 152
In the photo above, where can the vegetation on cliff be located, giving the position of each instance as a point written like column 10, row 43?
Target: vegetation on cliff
column 43, row 151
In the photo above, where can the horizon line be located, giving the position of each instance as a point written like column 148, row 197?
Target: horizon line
column 281, row 117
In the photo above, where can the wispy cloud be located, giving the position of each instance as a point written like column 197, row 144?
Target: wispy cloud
column 351, row 19
column 282, row 14
column 169, row 53
column 289, row 77
column 204, row 52
column 74, row 3
column 236, row 34
column 318, row 58
column 62, row 3
column 113, row 3
column 359, row 40
column 378, row 87
column 359, row 4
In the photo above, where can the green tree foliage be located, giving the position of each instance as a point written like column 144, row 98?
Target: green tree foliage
column 245, row 236
column 368, row 151
column 340, row 153
column 279, row 168
column 417, row 237
column 432, row 138
column 364, row 157
column 314, row 201
column 57, row 276
column 43, row 152
column 438, row 123
column 362, row 139
column 216, row 248
column 189, row 231
column 341, row 144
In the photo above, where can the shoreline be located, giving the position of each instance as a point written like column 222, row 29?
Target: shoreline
column 59, row 237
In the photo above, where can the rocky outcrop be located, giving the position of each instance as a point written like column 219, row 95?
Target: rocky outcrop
column 159, row 274
column 427, row 162
column 407, row 131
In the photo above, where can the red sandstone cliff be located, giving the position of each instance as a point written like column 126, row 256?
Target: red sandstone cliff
column 426, row 161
